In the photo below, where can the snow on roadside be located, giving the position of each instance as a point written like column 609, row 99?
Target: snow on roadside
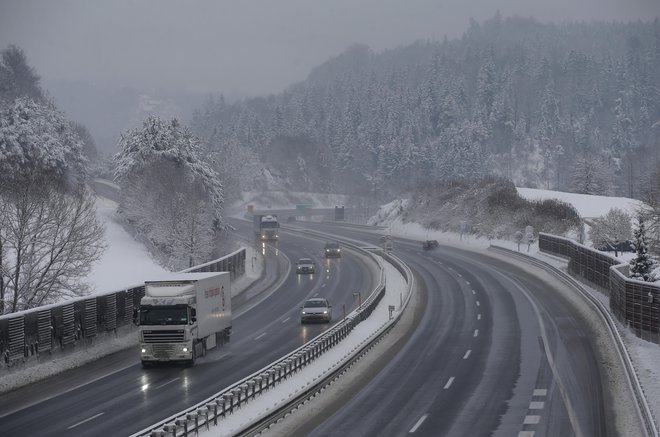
column 125, row 262
column 131, row 258
column 274, row 398
column 644, row 355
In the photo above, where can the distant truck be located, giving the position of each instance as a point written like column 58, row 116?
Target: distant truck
column 183, row 315
column 266, row 227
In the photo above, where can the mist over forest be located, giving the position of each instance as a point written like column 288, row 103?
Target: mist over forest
column 571, row 107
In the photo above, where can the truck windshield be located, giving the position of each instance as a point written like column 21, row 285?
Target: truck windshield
column 269, row 225
column 164, row 315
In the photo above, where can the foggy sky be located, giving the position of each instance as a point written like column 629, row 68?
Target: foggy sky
column 247, row 47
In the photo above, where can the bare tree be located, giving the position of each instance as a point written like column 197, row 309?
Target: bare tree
column 49, row 240
column 611, row 229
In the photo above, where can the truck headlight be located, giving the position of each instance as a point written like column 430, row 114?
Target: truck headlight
column 144, row 350
column 185, row 349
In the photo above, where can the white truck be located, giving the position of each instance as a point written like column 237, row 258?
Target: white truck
column 182, row 315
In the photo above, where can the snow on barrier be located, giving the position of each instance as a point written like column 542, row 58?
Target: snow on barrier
column 643, row 408
column 27, row 336
column 224, row 403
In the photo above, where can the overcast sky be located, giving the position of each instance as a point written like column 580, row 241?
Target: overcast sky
column 246, row 47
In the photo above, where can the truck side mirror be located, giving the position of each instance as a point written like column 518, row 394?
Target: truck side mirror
column 193, row 315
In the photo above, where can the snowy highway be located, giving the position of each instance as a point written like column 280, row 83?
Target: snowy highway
column 495, row 351
column 120, row 400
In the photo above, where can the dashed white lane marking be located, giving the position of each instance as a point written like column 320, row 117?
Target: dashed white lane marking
column 531, row 420
column 86, row 420
column 459, row 275
column 526, row 434
column 165, row 383
column 467, row 354
column 476, row 332
column 322, row 285
column 540, row 392
column 536, row 405
column 418, row 424
column 316, row 294
column 478, row 316
column 449, row 382
column 286, row 320
column 467, row 282
column 474, row 292
column 259, row 336
column 478, row 304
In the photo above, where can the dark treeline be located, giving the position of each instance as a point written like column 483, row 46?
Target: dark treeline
column 571, row 107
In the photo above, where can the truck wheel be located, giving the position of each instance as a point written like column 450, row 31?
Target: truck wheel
column 145, row 364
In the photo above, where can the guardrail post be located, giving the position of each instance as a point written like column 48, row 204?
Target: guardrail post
column 170, row 428
column 183, row 423
column 229, row 397
column 251, row 385
column 237, row 394
column 195, row 417
column 204, row 411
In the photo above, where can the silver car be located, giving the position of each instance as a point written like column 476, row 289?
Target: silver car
column 317, row 309
column 305, row 265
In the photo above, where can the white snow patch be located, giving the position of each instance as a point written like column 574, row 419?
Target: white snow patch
column 589, row 206
column 125, row 263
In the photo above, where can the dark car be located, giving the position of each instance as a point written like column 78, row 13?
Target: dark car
column 430, row 244
column 332, row 250
column 291, row 219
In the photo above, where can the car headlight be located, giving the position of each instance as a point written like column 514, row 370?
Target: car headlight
column 304, row 312
column 325, row 312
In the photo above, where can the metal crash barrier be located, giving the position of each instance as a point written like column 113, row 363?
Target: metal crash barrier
column 27, row 335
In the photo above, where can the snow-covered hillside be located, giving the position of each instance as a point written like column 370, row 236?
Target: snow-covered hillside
column 125, row 262
column 589, row 206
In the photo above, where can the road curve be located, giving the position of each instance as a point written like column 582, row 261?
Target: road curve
column 496, row 352
column 132, row 398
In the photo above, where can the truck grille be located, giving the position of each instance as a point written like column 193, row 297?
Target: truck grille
column 163, row 350
column 165, row 336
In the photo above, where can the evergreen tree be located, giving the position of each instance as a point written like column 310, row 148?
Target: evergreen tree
column 642, row 265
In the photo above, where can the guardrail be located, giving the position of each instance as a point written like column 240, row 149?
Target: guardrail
column 26, row 336
column 634, row 303
column 233, row 397
column 643, row 408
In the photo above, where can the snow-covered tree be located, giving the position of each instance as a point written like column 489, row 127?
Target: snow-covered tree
column 38, row 142
column 590, row 176
column 642, row 265
column 611, row 229
column 171, row 196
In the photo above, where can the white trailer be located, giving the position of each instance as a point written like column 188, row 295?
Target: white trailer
column 182, row 315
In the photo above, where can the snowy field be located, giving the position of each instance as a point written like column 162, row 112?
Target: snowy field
column 587, row 205
column 125, row 262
